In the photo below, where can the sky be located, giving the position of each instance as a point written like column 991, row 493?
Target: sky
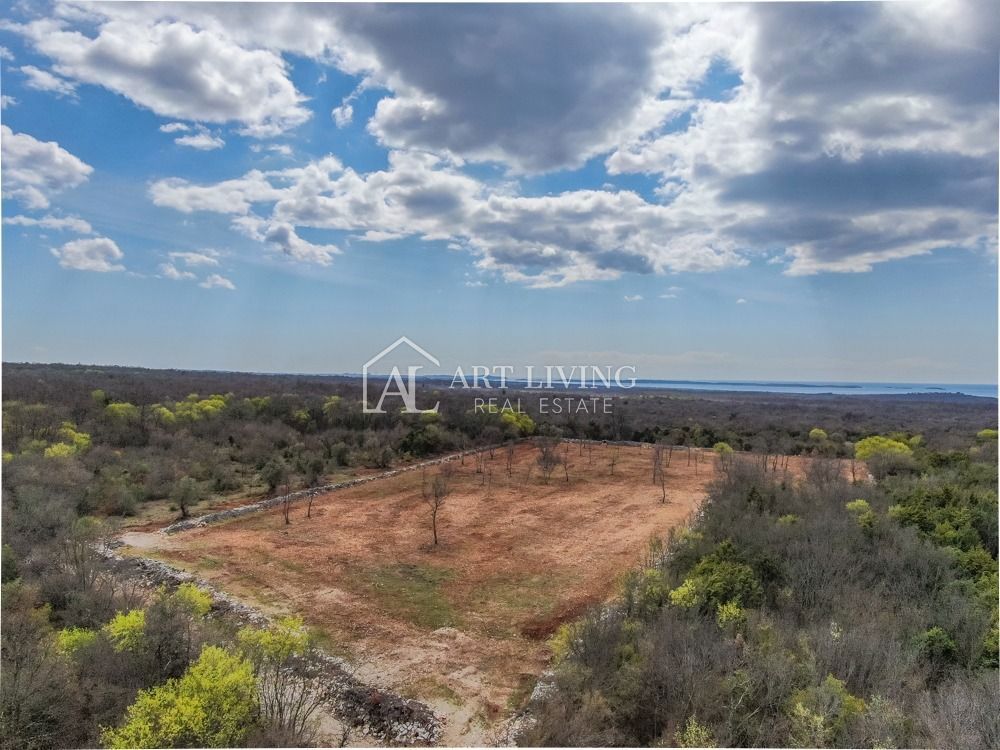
column 785, row 192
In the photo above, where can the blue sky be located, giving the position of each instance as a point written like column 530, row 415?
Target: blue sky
column 645, row 187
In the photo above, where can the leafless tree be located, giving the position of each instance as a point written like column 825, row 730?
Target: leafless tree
column 435, row 492
column 614, row 459
column 548, row 455
column 510, row 458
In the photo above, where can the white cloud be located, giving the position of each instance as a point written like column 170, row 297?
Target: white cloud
column 215, row 281
column 741, row 301
column 58, row 223
column 669, row 295
column 170, row 271
column 43, row 80
column 203, row 258
column 6, row 54
column 633, row 297
column 175, row 70
column 203, row 141
column 7, row 101
column 800, row 159
column 174, row 127
column 34, row 170
column 275, row 148
column 343, row 115
column 539, row 241
column 283, row 237
column 98, row 254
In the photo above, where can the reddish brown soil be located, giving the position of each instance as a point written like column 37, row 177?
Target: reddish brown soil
column 461, row 625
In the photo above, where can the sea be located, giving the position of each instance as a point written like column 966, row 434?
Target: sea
column 984, row 390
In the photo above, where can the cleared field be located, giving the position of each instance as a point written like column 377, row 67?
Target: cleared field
column 461, row 626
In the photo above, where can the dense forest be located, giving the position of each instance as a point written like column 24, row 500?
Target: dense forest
column 828, row 613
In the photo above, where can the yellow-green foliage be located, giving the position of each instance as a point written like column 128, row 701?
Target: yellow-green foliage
column 122, row 412
column 213, row 704
column 73, row 442
column 788, row 519
column 192, row 599
column 987, row 435
column 650, row 590
column 818, row 435
column 878, row 445
column 60, row 450
column 71, row 640
column 730, row 616
column 723, row 449
column 331, row 406
column 820, row 714
column 258, row 403
column 7, row 456
column 523, row 423
column 163, row 415
column 194, row 408
column 863, row 513
column 858, row 506
column 561, row 641
column 695, row 734
column 286, row 638
column 126, row 630
column 718, row 578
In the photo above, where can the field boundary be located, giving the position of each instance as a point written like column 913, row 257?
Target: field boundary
column 270, row 502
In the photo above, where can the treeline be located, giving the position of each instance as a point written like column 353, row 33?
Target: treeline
column 825, row 614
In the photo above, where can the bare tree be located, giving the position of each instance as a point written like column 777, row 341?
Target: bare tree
column 657, row 459
column 548, row 457
column 510, row 458
column 434, row 493
column 614, row 459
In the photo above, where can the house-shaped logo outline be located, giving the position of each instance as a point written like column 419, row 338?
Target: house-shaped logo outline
column 392, row 347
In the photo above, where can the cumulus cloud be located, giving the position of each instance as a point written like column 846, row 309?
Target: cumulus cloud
column 43, row 80
column 33, row 170
column 174, row 127
column 845, row 135
column 860, row 134
column 535, row 87
column 540, row 241
column 7, row 101
column 175, row 70
column 58, row 223
column 215, row 281
column 97, row 254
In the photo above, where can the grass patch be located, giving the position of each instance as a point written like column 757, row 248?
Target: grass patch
column 411, row 592
column 504, row 602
